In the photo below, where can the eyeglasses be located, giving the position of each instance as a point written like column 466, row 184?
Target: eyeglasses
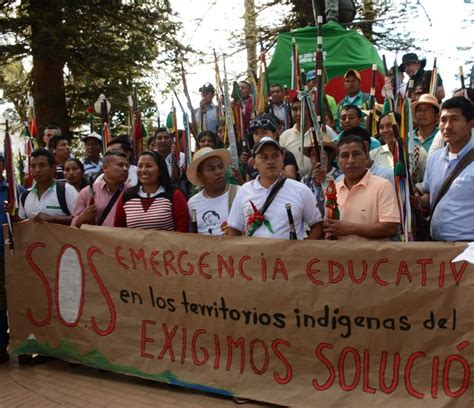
column 262, row 123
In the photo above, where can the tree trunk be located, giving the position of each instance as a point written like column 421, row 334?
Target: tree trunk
column 48, row 48
column 250, row 29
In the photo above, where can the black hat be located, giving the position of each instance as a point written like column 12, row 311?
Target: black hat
column 411, row 57
column 265, row 121
column 207, row 88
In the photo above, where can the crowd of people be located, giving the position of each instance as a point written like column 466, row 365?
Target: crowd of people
column 279, row 188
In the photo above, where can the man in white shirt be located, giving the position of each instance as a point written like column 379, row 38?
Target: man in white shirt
column 47, row 201
column 247, row 208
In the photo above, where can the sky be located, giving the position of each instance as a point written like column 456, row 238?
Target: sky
column 209, row 24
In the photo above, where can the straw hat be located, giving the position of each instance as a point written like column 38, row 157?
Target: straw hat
column 204, row 154
column 427, row 99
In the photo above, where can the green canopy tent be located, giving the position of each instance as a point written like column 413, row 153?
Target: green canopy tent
column 343, row 49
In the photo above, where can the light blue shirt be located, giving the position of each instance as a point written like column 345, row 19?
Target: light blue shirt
column 453, row 219
column 360, row 100
column 428, row 141
column 92, row 168
column 210, row 118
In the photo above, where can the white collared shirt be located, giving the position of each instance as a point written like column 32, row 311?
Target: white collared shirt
column 48, row 203
column 303, row 206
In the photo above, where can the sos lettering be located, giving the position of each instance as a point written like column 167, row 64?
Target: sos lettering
column 56, row 296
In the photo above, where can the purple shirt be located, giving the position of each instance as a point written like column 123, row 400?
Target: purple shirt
column 102, row 197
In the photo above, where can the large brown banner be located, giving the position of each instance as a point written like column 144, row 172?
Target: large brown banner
column 326, row 324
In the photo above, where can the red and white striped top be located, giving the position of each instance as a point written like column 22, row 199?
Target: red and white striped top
column 168, row 212
column 149, row 213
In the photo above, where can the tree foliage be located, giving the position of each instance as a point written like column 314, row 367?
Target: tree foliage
column 80, row 49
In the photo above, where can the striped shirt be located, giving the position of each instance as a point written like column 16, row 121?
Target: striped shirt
column 92, row 168
column 162, row 210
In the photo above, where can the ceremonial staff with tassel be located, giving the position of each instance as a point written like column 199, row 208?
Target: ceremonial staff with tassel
column 389, row 103
column 434, row 79
column 11, row 185
column 287, row 104
column 219, row 92
column 175, row 156
column 319, row 70
column 194, row 124
column 463, row 85
column 372, row 125
column 102, row 107
column 413, row 222
column 230, row 126
column 316, row 131
column 264, row 79
column 187, row 129
column 139, row 132
column 295, row 66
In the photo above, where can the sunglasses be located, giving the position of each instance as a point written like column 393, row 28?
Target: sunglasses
column 262, row 123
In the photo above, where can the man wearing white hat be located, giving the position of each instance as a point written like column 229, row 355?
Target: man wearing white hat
column 93, row 147
column 212, row 204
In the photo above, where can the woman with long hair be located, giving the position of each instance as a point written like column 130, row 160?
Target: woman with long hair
column 154, row 203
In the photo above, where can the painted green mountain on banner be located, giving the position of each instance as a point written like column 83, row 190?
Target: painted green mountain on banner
column 69, row 352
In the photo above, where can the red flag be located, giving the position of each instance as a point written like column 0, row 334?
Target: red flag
column 33, row 128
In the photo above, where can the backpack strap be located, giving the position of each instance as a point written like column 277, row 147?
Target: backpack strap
column 61, row 194
column 23, row 197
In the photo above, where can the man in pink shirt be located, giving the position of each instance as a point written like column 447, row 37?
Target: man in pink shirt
column 367, row 203
column 98, row 207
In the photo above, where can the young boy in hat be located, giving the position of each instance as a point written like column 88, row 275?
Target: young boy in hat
column 213, row 202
